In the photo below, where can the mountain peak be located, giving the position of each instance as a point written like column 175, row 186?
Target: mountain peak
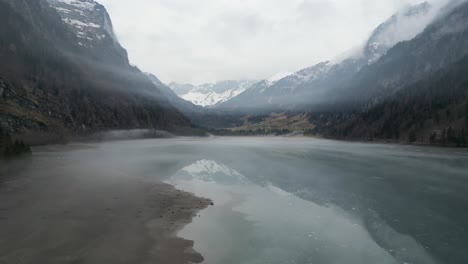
column 415, row 10
column 403, row 25
column 210, row 94
column 89, row 20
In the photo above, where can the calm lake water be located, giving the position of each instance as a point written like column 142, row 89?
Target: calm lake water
column 298, row 200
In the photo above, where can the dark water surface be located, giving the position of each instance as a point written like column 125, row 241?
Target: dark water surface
column 298, row 200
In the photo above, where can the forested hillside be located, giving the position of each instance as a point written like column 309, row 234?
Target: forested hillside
column 52, row 86
column 433, row 111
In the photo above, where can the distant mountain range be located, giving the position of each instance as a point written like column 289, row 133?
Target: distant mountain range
column 63, row 73
column 210, row 94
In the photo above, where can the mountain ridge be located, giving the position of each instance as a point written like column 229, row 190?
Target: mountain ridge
column 53, row 88
column 211, row 94
column 292, row 92
column 391, row 98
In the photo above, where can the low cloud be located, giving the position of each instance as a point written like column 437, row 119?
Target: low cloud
column 209, row 40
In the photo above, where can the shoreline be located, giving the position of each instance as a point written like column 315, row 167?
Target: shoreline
column 179, row 209
column 353, row 140
column 86, row 217
column 139, row 134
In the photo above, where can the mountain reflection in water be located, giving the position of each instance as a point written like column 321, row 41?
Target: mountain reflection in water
column 252, row 223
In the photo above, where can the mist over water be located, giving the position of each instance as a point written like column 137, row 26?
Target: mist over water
column 308, row 201
column 280, row 200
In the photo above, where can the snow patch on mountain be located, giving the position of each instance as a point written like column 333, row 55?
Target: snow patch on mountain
column 403, row 25
column 89, row 19
column 314, row 72
column 210, row 98
column 309, row 85
column 292, row 81
column 81, row 4
column 80, row 24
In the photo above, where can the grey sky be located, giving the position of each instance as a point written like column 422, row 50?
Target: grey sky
column 207, row 40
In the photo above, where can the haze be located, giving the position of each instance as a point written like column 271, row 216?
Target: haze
column 210, row 40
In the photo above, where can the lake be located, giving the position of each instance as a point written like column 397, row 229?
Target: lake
column 301, row 200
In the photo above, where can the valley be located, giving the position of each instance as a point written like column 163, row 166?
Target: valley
column 57, row 98
column 152, row 132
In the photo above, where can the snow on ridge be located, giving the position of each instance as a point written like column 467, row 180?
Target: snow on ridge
column 211, row 98
column 211, row 94
column 280, row 75
column 63, row 10
column 314, row 72
column 293, row 80
column 78, row 23
column 85, row 17
column 82, row 4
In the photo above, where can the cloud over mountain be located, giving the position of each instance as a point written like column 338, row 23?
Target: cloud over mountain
column 211, row 40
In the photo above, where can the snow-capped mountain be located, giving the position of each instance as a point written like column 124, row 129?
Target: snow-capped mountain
column 90, row 22
column 309, row 85
column 291, row 82
column 210, row 94
column 402, row 26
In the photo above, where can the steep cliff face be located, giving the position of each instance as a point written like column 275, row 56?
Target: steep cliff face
column 91, row 24
column 63, row 73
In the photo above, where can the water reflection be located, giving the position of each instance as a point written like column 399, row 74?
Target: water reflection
column 265, row 224
column 365, row 203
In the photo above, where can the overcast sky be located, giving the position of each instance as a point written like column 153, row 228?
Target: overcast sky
column 197, row 41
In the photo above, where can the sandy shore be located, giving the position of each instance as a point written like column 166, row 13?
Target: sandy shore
column 66, row 212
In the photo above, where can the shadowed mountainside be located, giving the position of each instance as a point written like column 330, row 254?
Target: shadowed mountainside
column 53, row 86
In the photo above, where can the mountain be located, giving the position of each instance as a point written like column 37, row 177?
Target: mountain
column 403, row 25
column 416, row 92
column 311, row 85
column 442, row 43
column 90, row 23
column 412, row 88
column 203, row 117
column 211, row 94
column 63, row 73
column 186, row 107
column 301, row 88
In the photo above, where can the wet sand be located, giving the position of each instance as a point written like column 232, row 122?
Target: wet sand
column 70, row 211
